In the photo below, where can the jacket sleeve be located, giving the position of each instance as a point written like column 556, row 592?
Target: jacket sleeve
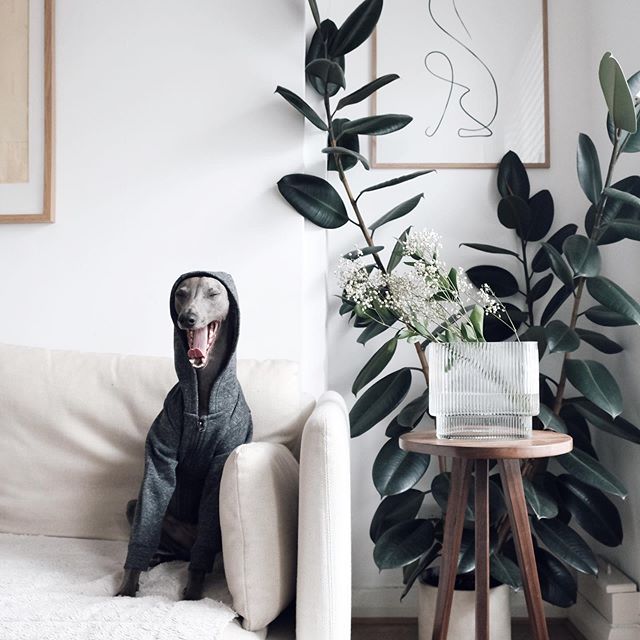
column 158, row 484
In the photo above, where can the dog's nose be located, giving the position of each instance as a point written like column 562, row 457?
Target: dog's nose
column 187, row 319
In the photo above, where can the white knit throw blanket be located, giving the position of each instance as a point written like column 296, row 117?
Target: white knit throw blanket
column 62, row 588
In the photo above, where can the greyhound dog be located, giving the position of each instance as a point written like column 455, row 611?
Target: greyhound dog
column 205, row 417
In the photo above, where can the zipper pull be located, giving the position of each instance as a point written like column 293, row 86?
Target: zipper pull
column 201, row 424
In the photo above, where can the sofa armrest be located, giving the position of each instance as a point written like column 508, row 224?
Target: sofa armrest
column 323, row 599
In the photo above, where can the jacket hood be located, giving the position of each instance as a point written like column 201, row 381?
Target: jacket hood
column 185, row 371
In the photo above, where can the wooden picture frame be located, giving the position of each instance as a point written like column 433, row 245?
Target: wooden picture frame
column 47, row 212
column 402, row 150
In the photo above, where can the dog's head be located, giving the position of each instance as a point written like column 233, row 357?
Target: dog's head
column 201, row 305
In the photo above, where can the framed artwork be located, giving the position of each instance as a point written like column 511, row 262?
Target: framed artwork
column 474, row 76
column 27, row 141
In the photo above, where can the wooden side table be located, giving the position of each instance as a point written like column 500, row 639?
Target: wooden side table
column 508, row 453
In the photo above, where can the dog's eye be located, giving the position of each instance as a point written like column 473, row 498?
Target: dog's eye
column 212, row 293
column 181, row 293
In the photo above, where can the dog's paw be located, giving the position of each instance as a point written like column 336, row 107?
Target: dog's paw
column 195, row 586
column 129, row 585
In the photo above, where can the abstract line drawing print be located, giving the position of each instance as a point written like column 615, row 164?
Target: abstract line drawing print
column 483, row 122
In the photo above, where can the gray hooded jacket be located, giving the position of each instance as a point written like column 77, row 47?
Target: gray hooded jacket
column 185, row 453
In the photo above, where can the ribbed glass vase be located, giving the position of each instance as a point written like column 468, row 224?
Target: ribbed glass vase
column 483, row 390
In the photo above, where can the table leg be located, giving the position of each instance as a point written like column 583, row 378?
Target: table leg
column 517, row 508
column 482, row 549
column 453, row 524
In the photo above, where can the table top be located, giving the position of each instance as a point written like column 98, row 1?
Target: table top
column 542, row 444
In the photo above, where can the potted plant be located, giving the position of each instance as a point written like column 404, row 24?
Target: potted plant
column 401, row 536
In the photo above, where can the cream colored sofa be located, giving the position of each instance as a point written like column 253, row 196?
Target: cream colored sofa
column 72, row 429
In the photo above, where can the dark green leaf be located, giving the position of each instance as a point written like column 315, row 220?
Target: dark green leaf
column 413, row 412
column 540, row 261
column 615, row 210
column 558, row 299
column 376, row 364
column 364, row 251
column 557, row 584
column 607, row 318
column 364, row 92
column 488, row 248
column 377, row 125
column 614, row 298
column 379, row 401
column 514, row 213
column 627, row 228
column 393, row 510
column 558, row 265
column 565, row 544
column 398, row 251
column 512, row 177
column 343, row 151
column 598, row 418
column 501, row 281
column 631, row 141
column 357, row 27
column 560, row 337
column 326, row 73
column 505, row 571
column 396, row 470
column 351, row 142
column 346, row 307
column 315, row 199
column 551, row 421
column 541, row 503
column 599, row 342
column 395, row 181
column 578, row 428
column 583, row 256
column 440, row 488
column 541, row 206
column 305, row 109
column 371, row 331
column 417, row 568
column 394, row 430
column 541, row 288
column 403, row 543
column 617, row 94
column 397, row 212
column 313, row 5
column 589, row 470
column 497, row 330
column 595, row 513
column 589, row 173
column 594, row 380
column 624, row 196
column 318, row 49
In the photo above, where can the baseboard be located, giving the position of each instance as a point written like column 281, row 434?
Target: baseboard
column 384, row 602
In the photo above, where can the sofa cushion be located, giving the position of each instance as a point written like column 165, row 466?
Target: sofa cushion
column 73, row 424
column 259, row 520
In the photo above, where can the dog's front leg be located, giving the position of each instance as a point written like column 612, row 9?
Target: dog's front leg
column 195, row 585
column 130, row 582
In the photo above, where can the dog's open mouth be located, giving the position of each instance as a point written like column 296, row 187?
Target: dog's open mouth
column 200, row 343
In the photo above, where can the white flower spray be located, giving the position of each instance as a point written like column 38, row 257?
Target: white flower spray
column 433, row 302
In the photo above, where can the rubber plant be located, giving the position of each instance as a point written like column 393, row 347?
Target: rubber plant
column 401, row 538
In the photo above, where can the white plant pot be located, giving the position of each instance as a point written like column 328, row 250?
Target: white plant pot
column 462, row 623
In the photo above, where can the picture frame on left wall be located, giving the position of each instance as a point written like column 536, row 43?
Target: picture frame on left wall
column 27, row 111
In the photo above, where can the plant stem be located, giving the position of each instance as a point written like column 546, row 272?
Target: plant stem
column 424, row 365
column 527, row 280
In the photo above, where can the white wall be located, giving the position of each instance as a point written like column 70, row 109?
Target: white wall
column 461, row 205
column 170, row 142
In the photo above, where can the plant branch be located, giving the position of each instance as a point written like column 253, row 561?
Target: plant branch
column 424, row 365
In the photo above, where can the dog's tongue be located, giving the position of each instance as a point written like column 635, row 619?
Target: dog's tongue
column 199, row 343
